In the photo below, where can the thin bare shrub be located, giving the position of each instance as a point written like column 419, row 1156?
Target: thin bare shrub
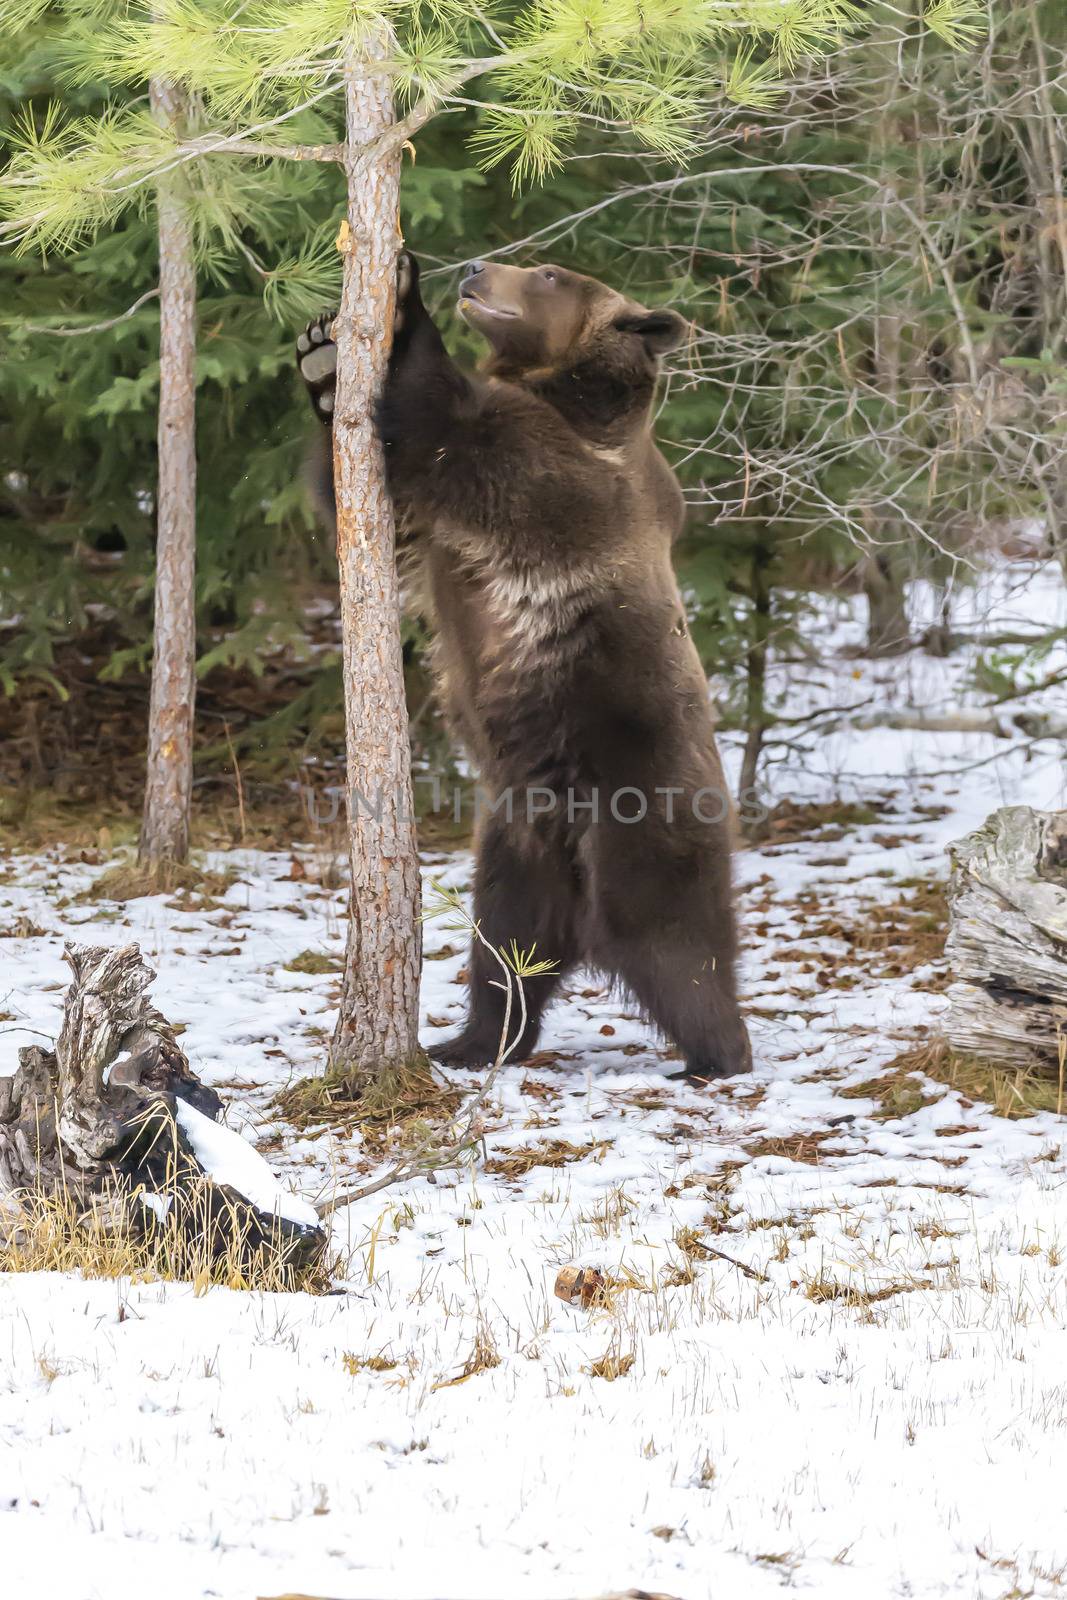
column 464, row 1138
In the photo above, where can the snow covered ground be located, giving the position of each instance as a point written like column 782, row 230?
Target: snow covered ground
column 833, row 1353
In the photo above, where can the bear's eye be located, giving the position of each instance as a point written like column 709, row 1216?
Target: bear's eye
column 549, row 275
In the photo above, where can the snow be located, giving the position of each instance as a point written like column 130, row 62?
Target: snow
column 158, row 1204
column 116, row 1061
column 229, row 1159
column 854, row 1385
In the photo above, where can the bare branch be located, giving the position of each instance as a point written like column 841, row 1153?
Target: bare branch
column 95, row 327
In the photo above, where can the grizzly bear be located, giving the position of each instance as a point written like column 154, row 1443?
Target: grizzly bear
column 541, row 515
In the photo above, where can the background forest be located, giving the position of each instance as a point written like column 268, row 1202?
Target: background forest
column 874, row 256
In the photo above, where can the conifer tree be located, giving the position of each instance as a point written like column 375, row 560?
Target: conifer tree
column 643, row 70
column 169, row 776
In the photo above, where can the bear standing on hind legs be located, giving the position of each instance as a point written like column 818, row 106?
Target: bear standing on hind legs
column 540, row 517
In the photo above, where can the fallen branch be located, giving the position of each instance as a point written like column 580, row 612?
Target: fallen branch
column 941, row 641
column 749, row 1272
column 616, row 1594
column 1002, row 725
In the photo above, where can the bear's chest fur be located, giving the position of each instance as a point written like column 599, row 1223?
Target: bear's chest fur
column 550, row 666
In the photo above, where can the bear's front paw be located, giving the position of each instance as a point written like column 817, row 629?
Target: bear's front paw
column 316, row 356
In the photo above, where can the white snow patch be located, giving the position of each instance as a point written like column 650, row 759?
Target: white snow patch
column 123, row 1055
column 158, row 1204
column 229, row 1159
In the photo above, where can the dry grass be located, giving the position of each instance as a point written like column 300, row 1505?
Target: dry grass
column 827, row 821
column 893, row 938
column 538, row 1089
column 115, row 1238
column 128, row 880
column 482, row 1357
column 896, row 1091
column 609, row 1214
column 611, row 1365
column 551, row 1153
column 354, row 1364
column 693, row 1250
column 850, row 1294
column 315, row 963
column 395, row 1108
column 784, row 1560
column 1011, row 1092
column 899, row 1089
column 692, row 1246
column 22, row 928
column 805, row 1147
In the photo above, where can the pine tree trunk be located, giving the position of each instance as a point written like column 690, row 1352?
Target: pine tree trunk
column 888, row 629
column 168, row 784
column 1050, row 206
column 887, row 624
column 377, row 1025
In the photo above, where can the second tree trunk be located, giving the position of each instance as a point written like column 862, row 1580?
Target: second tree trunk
column 169, row 778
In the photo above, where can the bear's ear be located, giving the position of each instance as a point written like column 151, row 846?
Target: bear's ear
column 661, row 330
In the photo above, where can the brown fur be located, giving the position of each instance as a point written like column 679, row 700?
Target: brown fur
column 542, row 517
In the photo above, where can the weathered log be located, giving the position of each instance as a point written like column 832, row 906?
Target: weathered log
column 115, row 1124
column 1007, row 944
column 998, row 723
column 616, row 1594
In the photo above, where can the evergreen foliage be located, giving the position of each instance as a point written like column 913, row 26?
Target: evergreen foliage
column 848, row 170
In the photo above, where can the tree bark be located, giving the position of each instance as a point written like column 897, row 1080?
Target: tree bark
column 887, row 621
column 888, row 630
column 169, row 778
column 1047, row 161
column 377, row 1025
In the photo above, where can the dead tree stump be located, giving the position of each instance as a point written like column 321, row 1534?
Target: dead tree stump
column 115, row 1124
column 1007, row 943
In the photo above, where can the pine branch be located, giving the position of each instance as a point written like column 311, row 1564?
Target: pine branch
column 237, row 145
